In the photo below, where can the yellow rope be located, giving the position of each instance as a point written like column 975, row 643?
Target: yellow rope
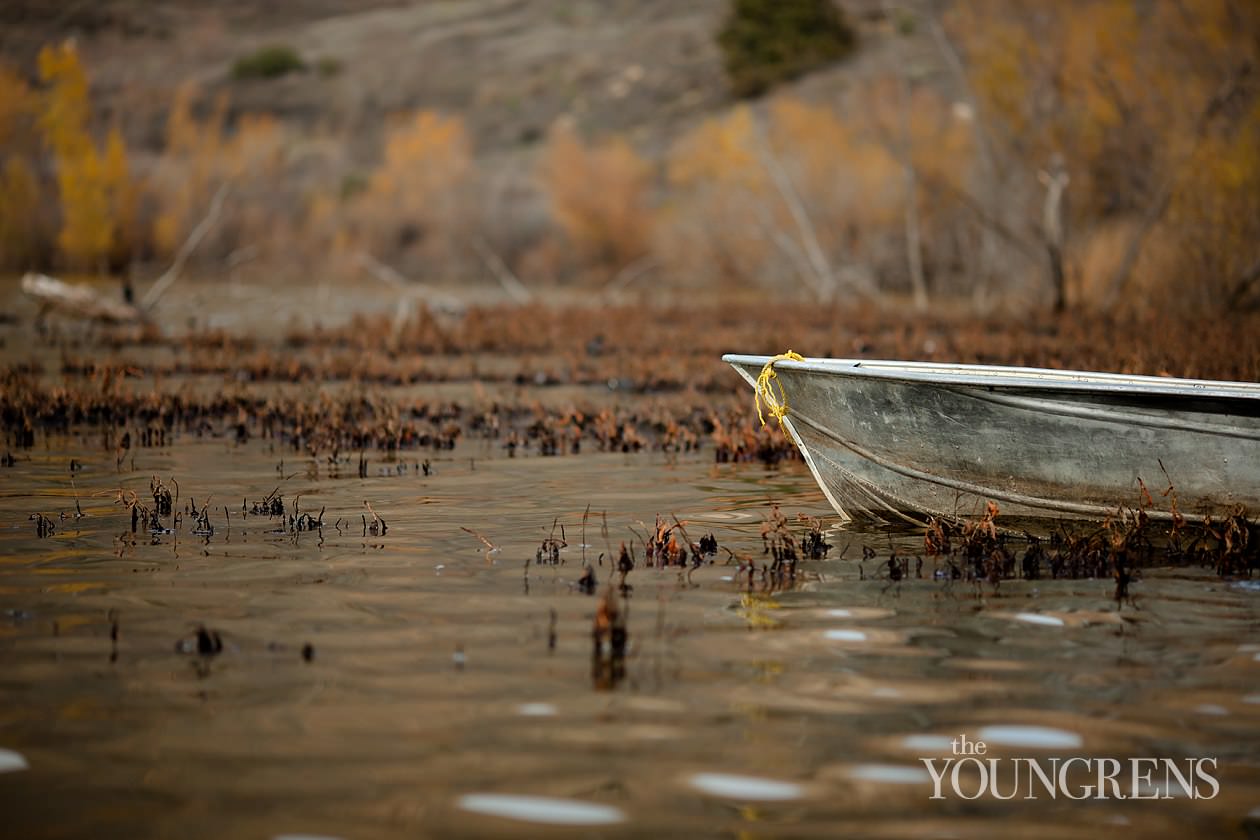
column 775, row 404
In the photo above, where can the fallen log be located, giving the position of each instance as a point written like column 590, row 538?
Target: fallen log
column 77, row 300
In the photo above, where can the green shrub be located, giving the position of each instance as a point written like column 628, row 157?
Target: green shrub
column 765, row 42
column 270, row 62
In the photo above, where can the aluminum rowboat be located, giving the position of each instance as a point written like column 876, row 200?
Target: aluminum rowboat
column 907, row 440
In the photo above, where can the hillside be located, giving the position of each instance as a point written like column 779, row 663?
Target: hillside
column 590, row 141
column 511, row 67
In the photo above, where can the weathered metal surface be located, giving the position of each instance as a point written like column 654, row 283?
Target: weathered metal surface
column 900, row 439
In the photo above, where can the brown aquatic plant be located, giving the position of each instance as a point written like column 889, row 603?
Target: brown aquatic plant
column 610, row 637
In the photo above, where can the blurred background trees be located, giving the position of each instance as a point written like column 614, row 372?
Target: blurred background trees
column 1145, row 107
column 1099, row 153
column 94, row 191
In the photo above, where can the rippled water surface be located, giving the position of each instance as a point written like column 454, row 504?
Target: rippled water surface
column 435, row 704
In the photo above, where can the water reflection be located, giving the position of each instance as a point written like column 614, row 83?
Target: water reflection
column 1030, row 737
column 845, row 635
column 11, row 761
column 540, row 809
column 745, row 788
column 1038, row 618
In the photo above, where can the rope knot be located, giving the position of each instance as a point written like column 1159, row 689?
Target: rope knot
column 776, row 404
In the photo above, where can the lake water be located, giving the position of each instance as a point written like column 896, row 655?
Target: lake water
column 449, row 688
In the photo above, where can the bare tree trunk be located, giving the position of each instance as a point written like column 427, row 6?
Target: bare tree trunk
column 914, row 248
column 1057, row 278
column 914, row 251
column 1055, row 182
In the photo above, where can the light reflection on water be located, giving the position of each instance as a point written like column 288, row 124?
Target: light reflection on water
column 745, row 788
column 540, row 809
column 441, row 698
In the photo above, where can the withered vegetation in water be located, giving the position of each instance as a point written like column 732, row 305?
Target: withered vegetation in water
column 44, row 526
column 1128, row 540
column 655, row 372
column 610, row 637
column 654, row 349
column 647, row 378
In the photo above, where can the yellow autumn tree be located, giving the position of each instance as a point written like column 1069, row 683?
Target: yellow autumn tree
column 122, row 194
column 714, row 224
column 844, row 173
column 412, row 198
column 718, row 151
column 93, row 187
column 424, row 155
column 837, row 194
column 599, row 196
column 785, row 199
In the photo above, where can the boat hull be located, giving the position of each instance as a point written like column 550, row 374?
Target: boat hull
column 897, row 440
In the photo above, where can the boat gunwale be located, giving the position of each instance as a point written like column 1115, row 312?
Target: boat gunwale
column 1009, row 378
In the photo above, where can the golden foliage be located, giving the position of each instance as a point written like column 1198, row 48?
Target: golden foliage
column 1123, row 92
column 925, row 127
column 255, row 162
column 87, row 228
column 414, row 192
column 599, row 196
column 845, row 174
column 713, row 224
column 94, row 190
column 64, row 117
column 122, row 194
column 425, row 155
column 718, row 151
column 729, row 214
